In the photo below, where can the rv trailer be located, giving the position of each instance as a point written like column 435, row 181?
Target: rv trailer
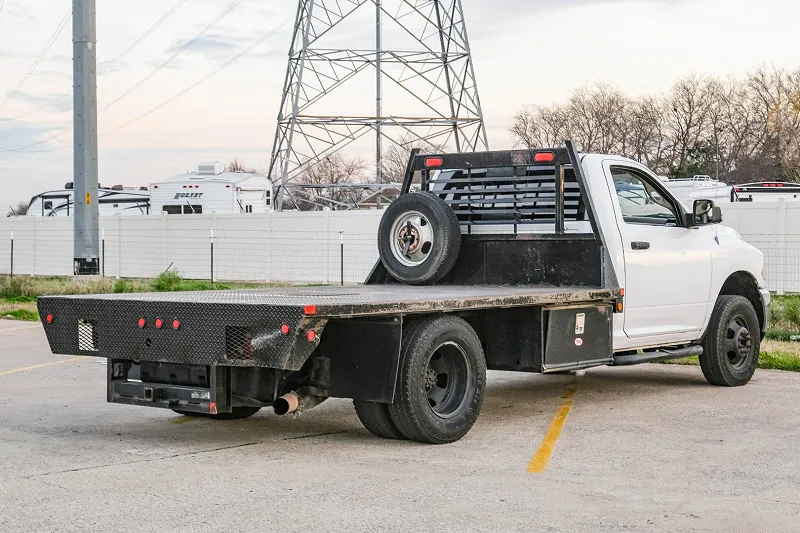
column 210, row 189
column 117, row 200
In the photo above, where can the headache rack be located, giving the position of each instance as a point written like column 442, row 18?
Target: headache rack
column 510, row 187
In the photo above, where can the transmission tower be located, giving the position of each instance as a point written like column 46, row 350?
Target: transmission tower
column 401, row 68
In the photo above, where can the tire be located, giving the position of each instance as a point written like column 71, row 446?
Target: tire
column 424, row 410
column 433, row 239
column 732, row 344
column 238, row 413
column 376, row 418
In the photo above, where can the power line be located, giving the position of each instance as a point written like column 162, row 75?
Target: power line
column 230, row 61
column 179, row 51
column 39, row 58
column 204, row 78
column 111, row 63
column 183, row 48
column 146, row 34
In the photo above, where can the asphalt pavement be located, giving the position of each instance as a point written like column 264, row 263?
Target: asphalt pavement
column 649, row 448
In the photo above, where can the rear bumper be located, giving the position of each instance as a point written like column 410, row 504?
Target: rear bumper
column 765, row 302
column 211, row 395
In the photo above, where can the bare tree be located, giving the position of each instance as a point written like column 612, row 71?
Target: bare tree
column 336, row 169
column 396, row 156
column 20, row 210
column 238, row 166
column 740, row 129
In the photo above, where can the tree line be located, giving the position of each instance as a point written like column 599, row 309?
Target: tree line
column 740, row 129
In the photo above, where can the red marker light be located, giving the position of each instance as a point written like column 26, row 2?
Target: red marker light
column 310, row 310
column 544, row 157
column 49, row 318
column 434, row 162
column 311, row 335
column 285, row 329
column 176, row 324
column 159, row 323
column 141, row 322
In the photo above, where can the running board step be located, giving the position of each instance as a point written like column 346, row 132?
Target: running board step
column 661, row 355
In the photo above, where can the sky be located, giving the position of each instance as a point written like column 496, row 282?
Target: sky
column 524, row 52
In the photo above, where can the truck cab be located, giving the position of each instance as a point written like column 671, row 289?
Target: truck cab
column 673, row 265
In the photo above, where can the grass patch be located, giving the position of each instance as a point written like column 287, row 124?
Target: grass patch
column 21, row 314
column 775, row 355
column 23, row 290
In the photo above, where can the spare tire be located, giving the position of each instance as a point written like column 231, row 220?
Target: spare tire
column 419, row 238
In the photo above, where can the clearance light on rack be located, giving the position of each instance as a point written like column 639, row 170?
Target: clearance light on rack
column 544, row 157
column 434, row 162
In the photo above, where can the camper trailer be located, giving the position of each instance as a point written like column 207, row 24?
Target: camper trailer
column 210, row 189
column 697, row 187
column 117, row 200
column 766, row 191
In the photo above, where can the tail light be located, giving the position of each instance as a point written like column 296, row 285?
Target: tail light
column 176, row 324
column 159, row 323
column 142, row 323
column 49, row 318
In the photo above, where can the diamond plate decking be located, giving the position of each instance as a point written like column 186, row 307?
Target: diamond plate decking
column 367, row 300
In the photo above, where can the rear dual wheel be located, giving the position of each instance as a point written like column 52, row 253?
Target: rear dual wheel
column 440, row 385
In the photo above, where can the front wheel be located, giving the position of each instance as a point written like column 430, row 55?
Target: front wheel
column 732, row 343
column 441, row 381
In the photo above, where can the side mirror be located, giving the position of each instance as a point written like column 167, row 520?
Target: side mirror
column 704, row 212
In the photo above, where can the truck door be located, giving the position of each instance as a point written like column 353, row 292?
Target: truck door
column 668, row 268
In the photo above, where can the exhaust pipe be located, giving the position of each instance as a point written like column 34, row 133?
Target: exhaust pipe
column 293, row 402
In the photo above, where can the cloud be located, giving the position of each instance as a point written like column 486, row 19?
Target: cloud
column 210, row 44
column 60, row 103
column 15, row 134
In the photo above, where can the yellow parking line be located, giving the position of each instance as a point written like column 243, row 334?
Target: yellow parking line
column 542, row 457
column 19, row 329
column 7, row 372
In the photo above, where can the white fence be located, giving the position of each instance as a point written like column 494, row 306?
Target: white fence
column 303, row 247
column 773, row 228
column 319, row 247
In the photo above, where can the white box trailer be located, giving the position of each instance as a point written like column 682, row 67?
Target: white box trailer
column 117, row 200
column 210, row 189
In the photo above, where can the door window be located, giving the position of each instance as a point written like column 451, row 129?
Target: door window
column 640, row 201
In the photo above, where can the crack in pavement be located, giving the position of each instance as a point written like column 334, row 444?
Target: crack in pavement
column 173, row 456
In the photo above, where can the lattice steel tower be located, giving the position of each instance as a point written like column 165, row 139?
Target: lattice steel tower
column 403, row 72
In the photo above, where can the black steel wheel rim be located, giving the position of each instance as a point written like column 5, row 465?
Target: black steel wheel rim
column 738, row 342
column 446, row 380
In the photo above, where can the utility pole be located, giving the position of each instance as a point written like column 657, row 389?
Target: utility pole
column 86, row 222
column 378, row 101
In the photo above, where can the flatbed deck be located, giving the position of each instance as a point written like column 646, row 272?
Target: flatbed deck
column 362, row 300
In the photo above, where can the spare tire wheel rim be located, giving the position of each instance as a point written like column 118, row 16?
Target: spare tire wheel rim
column 412, row 238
